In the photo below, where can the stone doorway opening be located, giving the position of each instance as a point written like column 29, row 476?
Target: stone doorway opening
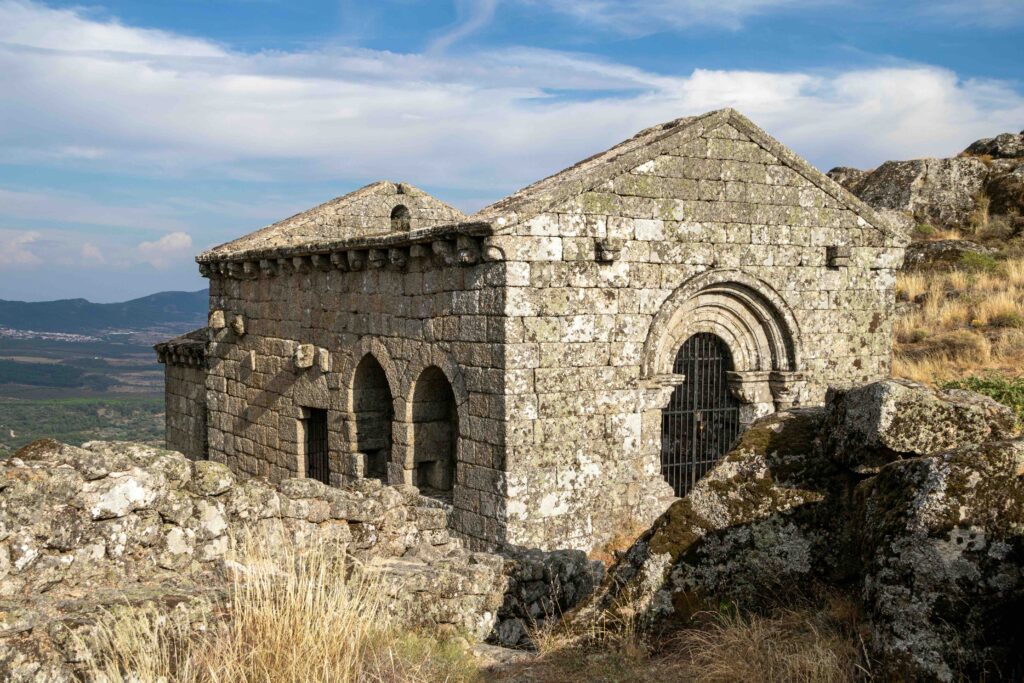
column 435, row 434
column 702, row 419
column 374, row 413
column 317, row 454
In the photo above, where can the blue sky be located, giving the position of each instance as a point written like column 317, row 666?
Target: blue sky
column 133, row 135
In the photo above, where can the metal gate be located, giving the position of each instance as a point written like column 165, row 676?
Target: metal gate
column 702, row 420
column 317, row 463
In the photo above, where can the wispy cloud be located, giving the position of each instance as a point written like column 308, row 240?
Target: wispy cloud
column 639, row 17
column 473, row 16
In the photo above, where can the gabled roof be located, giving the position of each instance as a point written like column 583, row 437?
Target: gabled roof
column 589, row 174
column 362, row 219
column 365, row 212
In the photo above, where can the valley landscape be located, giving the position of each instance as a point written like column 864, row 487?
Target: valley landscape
column 79, row 371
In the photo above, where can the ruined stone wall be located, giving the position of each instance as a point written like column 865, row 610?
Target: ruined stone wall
column 715, row 236
column 185, row 409
column 411, row 318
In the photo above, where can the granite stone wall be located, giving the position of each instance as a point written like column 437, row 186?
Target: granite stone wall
column 294, row 341
column 716, row 235
column 532, row 345
column 185, row 409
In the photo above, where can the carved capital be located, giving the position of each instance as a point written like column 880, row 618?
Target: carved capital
column 785, row 388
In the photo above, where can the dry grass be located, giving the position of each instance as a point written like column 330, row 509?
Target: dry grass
column 819, row 641
column 963, row 323
column 290, row 618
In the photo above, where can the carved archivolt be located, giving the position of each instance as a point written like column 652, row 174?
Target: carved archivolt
column 745, row 312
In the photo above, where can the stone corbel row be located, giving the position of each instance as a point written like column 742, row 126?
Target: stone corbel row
column 464, row 250
column 187, row 355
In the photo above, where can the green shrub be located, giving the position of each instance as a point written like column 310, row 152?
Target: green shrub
column 1007, row 319
column 974, row 262
column 924, row 230
column 1007, row 390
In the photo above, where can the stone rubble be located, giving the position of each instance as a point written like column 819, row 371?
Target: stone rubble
column 86, row 529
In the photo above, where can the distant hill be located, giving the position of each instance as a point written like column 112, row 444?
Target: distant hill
column 79, row 316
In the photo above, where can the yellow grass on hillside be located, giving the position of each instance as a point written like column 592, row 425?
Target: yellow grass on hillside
column 290, row 618
column 963, row 323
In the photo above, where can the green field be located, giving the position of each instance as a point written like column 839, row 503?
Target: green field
column 77, row 420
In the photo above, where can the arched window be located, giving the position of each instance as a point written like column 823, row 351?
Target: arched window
column 435, row 433
column 401, row 219
column 374, row 413
column 702, row 419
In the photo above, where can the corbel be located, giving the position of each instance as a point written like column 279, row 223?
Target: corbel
column 376, row 258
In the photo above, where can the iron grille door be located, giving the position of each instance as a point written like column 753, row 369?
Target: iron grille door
column 702, row 420
column 317, row 464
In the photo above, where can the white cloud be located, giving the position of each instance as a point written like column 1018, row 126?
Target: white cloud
column 16, row 248
column 92, row 255
column 169, row 250
column 155, row 102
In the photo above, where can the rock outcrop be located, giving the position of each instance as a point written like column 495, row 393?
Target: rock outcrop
column 911, row 498
column 988, row 175
column 942, row 254
column 85, row 529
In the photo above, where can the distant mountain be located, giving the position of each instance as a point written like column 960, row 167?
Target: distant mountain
column 79, row 316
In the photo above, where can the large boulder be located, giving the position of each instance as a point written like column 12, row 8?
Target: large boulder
column 757, row 521
column 942, row 550
column 1004, row 146
column 874, row 424
column 911, row 498
column 848, row 177
column 939, row 191
column 1006, row 192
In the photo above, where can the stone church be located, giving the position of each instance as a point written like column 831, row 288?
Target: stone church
column 559, row 364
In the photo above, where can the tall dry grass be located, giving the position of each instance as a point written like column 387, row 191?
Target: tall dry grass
column 814, row 639
column 291, row 617
column 964, row 322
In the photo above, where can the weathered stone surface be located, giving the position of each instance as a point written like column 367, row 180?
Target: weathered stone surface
column 942, row 544
column 938, row 191
column 941, row 253
column 517, row 361
column 1006, row 193
column 931, row 537
column 848, row 177
column 161, row 528
column 756, row 522
column 1004, row 146
column 872, row 425
column 542, row 586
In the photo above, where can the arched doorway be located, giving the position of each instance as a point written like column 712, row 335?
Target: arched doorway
column 702, row 420
column 435, row 433
column 374, row 413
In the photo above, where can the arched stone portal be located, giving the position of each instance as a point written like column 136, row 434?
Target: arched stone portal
column 373, row 409
column 702, row 419
column 754, row 322
column 435, row 433
column 729, row 347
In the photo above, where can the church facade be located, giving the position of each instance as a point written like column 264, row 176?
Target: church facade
column 557, row 365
